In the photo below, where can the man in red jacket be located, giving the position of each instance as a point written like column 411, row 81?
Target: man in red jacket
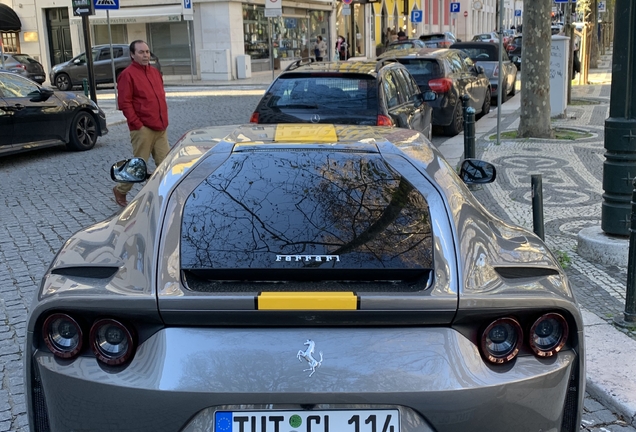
column 143, row 102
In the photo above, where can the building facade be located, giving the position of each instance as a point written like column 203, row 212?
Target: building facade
column 214, row 36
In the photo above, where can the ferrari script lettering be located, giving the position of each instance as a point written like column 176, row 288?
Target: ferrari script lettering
column 308, row 258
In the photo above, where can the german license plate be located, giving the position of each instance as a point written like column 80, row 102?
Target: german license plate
column 39, row 77
column 431, row 45
column 308, row 421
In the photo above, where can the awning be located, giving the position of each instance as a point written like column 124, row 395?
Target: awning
column 135, row 15
column 9, row 21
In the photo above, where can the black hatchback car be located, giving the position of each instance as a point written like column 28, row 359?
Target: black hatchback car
column 347, row 93
column 25, row 65
column 450, row 73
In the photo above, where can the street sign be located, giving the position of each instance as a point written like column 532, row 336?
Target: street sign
column 82, row 7
column 565, row 1
column 346, row 10
column 602, row 6
column 517, row 12
column 347, row 1
column 106, row 4
column 186, row 10
column 273, row 12
column 454, row 7
column 416, row 16
column 465, row 14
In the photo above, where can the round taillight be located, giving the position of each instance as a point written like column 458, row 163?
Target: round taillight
column 500, row 341
column 63, row 335
column 548, row 334
column 111, row 342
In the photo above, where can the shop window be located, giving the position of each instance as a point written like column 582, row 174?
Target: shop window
column 169, row 42
column 10, row 42
column 255, row 32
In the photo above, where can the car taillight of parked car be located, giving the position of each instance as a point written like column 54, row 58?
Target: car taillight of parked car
column 254, row 118
column 495, row 73
column 440, row 85
column 384, row 120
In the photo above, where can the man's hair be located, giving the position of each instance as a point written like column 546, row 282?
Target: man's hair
column 133, row 44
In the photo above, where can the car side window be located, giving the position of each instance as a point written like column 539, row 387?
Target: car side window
column 104, row 54
column 13, row 87
column 118, row 52
column 391, row 90
column 410, row 86
column 455, row 64
column 468, row 63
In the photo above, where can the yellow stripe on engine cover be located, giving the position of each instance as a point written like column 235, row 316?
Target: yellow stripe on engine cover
column 306, row 134
column 307, row 301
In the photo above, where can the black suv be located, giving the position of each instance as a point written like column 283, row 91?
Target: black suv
column 450, row 73
column 351, row 93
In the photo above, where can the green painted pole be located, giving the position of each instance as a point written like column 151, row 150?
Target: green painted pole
column 619, row 168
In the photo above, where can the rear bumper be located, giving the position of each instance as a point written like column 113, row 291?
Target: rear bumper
column 179, row 377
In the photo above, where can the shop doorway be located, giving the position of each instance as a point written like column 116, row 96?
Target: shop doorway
column 59, row 34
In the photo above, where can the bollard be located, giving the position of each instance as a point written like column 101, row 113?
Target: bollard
column 630, row 298
column 537, row 205
column 469, row 128
column 85, row 86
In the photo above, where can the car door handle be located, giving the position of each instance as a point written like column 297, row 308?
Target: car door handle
column 16, row 107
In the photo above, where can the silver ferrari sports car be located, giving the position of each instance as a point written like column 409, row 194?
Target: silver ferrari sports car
column 308, row 278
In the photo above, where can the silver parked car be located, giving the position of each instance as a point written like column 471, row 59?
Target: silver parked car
column 69, row 74
column 304, row 278
column 25, row 65
column 486, row 55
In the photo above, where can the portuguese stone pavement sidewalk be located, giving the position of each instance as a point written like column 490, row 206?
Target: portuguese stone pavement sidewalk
column 572, row 175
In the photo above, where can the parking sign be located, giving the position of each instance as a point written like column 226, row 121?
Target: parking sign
column 454, row 7
column 416, row 16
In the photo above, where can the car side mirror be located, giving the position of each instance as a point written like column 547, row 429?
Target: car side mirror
column 475, row 171
column 77, row 61
column 40, row 95
column 129, row 171
column 429, row 96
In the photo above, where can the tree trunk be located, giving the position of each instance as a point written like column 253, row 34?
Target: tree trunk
column 535, row 70
column 594, row 49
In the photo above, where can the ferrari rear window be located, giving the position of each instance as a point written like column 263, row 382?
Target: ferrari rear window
column 306, row 215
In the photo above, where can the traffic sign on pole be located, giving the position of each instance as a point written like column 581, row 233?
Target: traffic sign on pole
column 454, row 7
column 465, row 14
column 517, row 12
column 106, row 4
column 347, row 1
column 416, row 16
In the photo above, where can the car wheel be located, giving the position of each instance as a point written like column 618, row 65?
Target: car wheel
column 457, row 123
column 83, row 134
column 485, row 108
column 63, row 82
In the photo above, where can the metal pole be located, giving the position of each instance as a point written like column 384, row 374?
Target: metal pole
column 537, row 205
column 469, row 128
column 271, row 46
column 112, row 56
column 630, row 299
column 500, row 77
column 191, row 56
column 88, row 49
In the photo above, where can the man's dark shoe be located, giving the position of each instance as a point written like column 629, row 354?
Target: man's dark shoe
column 120, row 198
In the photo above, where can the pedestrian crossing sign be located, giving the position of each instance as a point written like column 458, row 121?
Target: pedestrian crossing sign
column 106, row 4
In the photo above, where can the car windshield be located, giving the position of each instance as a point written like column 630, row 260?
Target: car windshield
column 360, row 217
column 485, row 53
column 320, row 91
column 431, row 38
